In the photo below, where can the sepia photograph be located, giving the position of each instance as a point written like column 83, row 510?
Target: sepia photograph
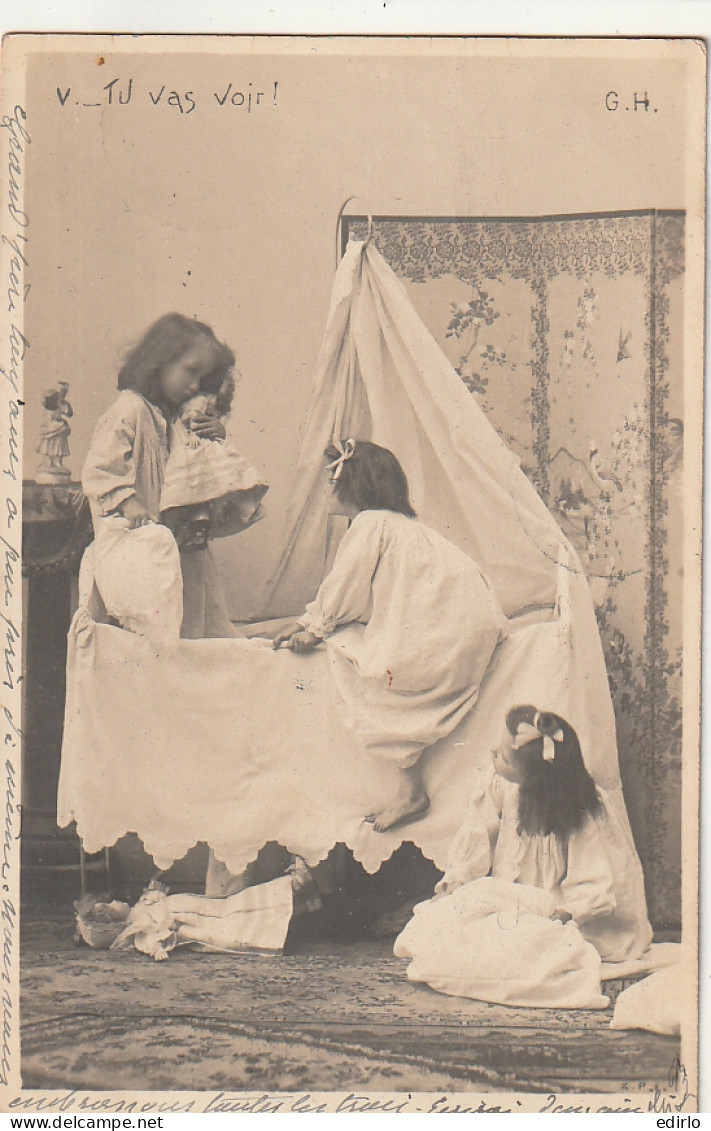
column 351, row 452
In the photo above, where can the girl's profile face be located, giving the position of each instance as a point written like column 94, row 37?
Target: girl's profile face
column 337, row 506
column 181, row 379
column 508, row 763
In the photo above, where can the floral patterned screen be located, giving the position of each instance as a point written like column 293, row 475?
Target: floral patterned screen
column 568, row 331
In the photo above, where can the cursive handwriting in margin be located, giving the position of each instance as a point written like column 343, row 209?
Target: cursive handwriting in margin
column 15, row 241
column 673, row 1098
column 14, row 249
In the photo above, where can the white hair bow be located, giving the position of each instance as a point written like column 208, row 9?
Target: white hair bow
column 346, row 452
column 527, row 732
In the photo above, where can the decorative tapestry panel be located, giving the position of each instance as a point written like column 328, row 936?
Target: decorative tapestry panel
column 568, row 331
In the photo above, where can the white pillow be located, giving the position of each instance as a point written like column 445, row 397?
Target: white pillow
column 652, row 1003
column 137, row 573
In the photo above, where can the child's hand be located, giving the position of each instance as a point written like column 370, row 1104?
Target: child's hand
column 207, row 427
column 561, row 916
column 445, row 887
column 286, row 634
column 303, row 641
column 135, row 512
column 296, row 638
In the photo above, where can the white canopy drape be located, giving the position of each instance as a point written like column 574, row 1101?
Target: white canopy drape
column 381, row 376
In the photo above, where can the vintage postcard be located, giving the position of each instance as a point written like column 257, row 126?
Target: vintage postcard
column 350, row 524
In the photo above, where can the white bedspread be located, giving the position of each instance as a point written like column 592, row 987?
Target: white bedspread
column 233, row 744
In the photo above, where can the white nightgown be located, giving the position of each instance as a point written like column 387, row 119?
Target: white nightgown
column 127, row 457
column 577, row 873
column 412, row 624
column 492, row 938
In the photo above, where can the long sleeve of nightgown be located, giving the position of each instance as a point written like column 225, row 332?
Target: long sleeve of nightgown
column 471, row 852
column 109, row 474
column 345, row 594
column 588, row 887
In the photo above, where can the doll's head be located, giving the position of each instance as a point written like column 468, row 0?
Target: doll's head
column 367, row 477
column 202, row 404
column 220, row 387
column 173, row 360
column 540, row 751
column 51, row 399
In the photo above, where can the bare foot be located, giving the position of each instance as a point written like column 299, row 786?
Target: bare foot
column 407, row 806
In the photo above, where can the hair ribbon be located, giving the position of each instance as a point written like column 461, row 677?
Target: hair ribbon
column 346, row 452
column 527, row 732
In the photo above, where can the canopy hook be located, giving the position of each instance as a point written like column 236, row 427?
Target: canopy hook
column 368, row 234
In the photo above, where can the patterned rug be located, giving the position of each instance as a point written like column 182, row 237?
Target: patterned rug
column 330, row 1016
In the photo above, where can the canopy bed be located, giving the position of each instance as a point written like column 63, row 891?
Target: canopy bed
column 229, row 742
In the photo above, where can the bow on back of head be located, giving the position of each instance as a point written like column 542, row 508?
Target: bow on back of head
column 527, row 732
column 345, row 452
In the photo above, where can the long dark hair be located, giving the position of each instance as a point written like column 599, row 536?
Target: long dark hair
column 555, row 796
column 372, row 480
column 164, row 343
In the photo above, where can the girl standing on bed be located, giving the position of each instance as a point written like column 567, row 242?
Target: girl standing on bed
column 411, row 623
column 123, row 477
column 540, row 849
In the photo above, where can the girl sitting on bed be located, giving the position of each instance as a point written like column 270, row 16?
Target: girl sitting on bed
column 538, row 850
column 411, row 623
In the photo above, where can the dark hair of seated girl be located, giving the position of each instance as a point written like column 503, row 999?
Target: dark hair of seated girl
column 557, row 795
column 372, row 480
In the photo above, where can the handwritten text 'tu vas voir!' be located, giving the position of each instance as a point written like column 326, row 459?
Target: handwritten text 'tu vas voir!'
column 119, row 93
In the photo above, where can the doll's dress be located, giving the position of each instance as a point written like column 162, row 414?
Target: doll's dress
column 54, row 442
column 211, row 471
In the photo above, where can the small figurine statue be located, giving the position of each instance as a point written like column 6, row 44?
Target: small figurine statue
column 54, row 437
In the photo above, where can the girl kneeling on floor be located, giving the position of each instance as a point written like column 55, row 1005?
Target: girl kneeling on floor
column 527, row 908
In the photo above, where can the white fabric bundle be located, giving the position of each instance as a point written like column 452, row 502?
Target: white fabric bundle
column 494, row 941
column 137, row 573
